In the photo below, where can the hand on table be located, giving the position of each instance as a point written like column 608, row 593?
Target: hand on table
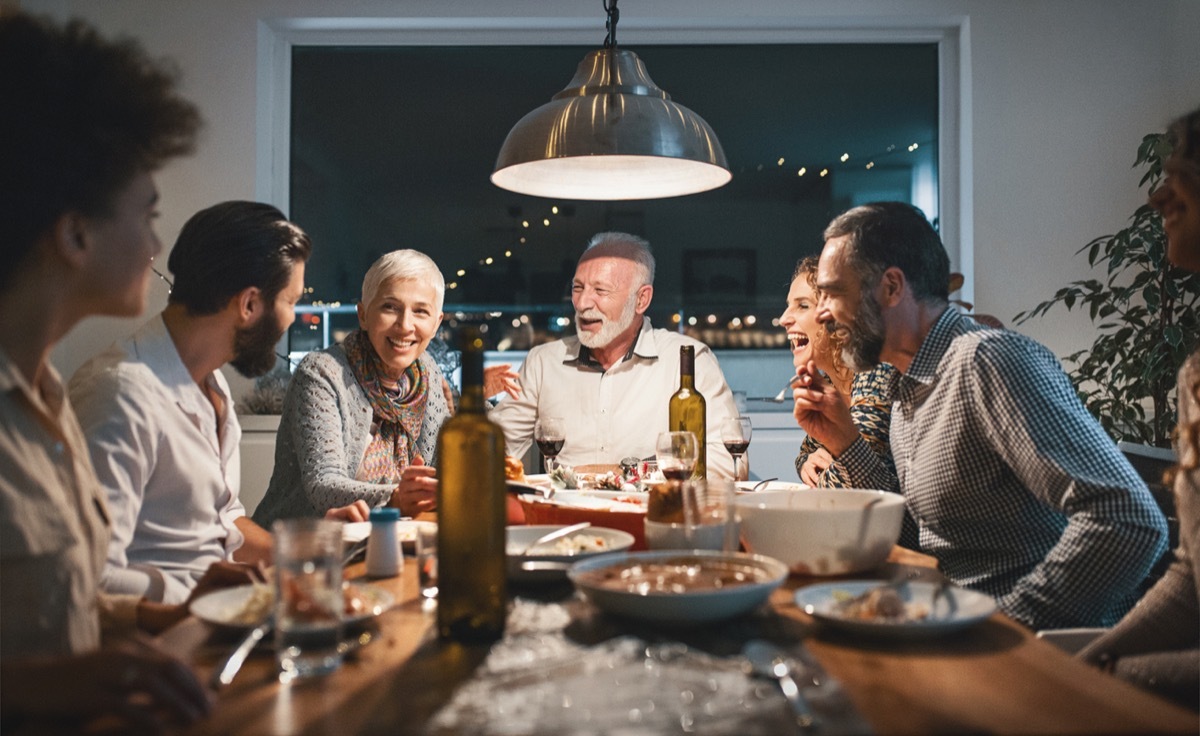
column 815, row 466
column 822, row 411
column 134, row 681
column 417, row 491
column 357, row 511
column 500, row 379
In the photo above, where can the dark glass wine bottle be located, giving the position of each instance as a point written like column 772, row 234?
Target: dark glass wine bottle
column 688, row 409
column 472, row 597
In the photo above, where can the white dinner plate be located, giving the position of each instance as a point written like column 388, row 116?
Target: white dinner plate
column 686, row 606
column 406, row 531
column 629, row 501
column 223, row 607
column 519, row 537
column 956, row 609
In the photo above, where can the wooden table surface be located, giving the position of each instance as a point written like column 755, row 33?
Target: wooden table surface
column 994, row 678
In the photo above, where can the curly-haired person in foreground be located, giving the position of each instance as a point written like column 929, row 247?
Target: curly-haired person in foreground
column 83, row 125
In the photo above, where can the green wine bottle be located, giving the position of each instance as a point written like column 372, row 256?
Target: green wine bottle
column 688, row 409
column 472, row 596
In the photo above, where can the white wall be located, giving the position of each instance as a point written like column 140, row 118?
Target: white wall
column 1060, row 93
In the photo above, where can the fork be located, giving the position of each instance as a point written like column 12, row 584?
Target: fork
column 783, row 392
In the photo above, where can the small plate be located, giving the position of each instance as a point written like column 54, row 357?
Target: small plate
column 685, row 606
column 222, row 607
column 520, row 536
column 957, row 609
column 406, row 531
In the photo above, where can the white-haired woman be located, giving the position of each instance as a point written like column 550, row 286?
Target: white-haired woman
column 361, row 419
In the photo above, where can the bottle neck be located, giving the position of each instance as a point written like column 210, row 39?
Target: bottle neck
column 472, row 399
column 687, row 369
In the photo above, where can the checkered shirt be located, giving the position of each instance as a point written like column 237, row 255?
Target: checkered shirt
column 1012, row 485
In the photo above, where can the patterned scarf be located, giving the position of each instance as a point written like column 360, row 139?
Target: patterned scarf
column 398, row 414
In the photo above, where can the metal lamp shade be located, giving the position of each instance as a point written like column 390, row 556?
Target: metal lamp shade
column 612, row 134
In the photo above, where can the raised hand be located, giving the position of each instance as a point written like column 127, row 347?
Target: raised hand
column 822, row 411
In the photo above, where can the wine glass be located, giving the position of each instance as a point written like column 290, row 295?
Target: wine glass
column 735, row 433
column 549, row 434
column 677, row 453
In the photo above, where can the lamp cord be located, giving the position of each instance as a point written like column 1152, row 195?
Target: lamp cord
column 614, row 15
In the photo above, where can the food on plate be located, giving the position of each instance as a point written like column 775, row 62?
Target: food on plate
column 572, row 545
column 563, row 477
column 514, row 470
column 879, row 604
column 355, row 602
column 674, row 575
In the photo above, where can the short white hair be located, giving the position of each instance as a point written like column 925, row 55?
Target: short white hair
column 403, row 265
column 622, row 245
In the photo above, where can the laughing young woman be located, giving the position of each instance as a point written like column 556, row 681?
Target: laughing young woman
column 866, row 392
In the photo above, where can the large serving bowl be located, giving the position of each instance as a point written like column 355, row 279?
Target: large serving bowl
column 822, row 531
column 633, row 584
column 555, row 560
column 608, row 509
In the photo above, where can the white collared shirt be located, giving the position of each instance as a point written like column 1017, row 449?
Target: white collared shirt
column 169, row 466
column 617, row 413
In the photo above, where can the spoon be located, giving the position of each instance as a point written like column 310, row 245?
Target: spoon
column 766, row 660
column 566, row 531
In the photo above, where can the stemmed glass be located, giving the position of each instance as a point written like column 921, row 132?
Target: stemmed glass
column 677, row 453
column 735, row 433
column 549, row 435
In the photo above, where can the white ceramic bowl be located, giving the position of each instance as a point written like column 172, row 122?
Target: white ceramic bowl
column 519, row 537
column 818, row 531
column 685, row 606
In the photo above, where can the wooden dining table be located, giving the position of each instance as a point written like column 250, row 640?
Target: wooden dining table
column 995, row 677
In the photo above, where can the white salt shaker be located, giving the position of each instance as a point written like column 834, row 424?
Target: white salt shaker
column 383, row 546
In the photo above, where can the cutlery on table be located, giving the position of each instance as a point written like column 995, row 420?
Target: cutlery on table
column 566, row 531
column 768, row 660
column 225, row 671
column 783, row 392
column 761, row 484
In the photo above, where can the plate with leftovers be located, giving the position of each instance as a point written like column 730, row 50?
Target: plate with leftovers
column 246, row 606
column 746, row 486
column 669, row 586
column 907, row 611
column 549, row 562
column 406, row 532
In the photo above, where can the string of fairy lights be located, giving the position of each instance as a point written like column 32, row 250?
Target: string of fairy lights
column 532, row 224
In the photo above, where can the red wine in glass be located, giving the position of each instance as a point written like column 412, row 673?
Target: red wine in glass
column 737, row 447
column 676, row 473
column 550, row 448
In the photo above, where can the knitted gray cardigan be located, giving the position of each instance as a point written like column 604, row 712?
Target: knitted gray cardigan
column 323, row 435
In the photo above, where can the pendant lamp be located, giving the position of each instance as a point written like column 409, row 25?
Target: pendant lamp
column 612, row 134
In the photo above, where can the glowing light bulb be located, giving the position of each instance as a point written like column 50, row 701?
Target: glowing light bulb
column 462, row 272
column 824, row 172
column 845, row 157
column 780, row 161
column 802, row 171
column 488, row 260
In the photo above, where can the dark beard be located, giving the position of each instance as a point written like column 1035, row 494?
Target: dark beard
column 864, row 340
column 254, row 346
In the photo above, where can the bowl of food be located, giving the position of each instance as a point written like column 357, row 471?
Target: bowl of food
column 834, row 531
column 678, row 587
column 549, row 562
column 606, row 509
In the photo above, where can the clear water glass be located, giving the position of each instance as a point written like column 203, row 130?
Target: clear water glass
column 308, row 597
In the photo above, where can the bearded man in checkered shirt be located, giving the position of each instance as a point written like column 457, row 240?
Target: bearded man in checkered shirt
column 1008, row 480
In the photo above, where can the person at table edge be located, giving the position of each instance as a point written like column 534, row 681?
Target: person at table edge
column 1157, row 646
column 612, row 382
column 158, row 414
column 1008, row 481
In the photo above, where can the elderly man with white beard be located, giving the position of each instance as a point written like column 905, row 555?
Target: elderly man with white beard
column 612, row 382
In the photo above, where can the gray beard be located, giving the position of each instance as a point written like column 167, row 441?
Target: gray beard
column 609, row 330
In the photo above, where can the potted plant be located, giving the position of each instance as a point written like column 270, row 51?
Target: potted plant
column 1146, row 310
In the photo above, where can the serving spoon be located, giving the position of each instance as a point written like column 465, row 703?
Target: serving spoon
column 566, row 531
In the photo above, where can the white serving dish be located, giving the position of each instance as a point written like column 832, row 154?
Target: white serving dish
column 686, row 607
column 821, row 531
column 519, row 537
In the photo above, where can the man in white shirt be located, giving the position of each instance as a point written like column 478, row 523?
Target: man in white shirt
column 611, row 384
column 158, row 414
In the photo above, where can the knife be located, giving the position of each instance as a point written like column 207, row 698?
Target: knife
column 768, row 660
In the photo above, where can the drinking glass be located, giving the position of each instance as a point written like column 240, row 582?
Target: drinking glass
column 676, row 453
column 735, row 433
column 549, row 434
column 709, row 521
column 427, row 561
column 308, row 597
